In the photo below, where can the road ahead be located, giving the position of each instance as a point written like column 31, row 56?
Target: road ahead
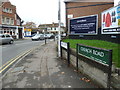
column 10, row 51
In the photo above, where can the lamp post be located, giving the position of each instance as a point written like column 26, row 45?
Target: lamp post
column 59, row 28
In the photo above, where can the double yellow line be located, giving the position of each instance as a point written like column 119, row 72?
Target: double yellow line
column 10, row 62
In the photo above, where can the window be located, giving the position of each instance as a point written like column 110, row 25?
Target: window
column 7, row 35
column 18, row 22
column 12, row 22
column 3, row 9
column 1, row 31
column 7, row 31
column 4, row 31
column 3, row 36
column 7, row 10
column 7, row 20
column 10, row 11
column 3, row 20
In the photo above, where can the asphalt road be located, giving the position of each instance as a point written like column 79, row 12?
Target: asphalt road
column 10, row 51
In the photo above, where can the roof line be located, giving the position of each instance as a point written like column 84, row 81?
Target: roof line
column 89, row 5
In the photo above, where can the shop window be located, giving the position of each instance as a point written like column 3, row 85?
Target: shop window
column 4, row 31
column 1, row 31
column 3, row 36
column 7, row 31
column 10, row 32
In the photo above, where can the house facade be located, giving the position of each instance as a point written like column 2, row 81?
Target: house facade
column 30, row 29
column 10, row 22
column 51, row 28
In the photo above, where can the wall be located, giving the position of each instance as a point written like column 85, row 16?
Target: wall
column 84, row 9
column 10, row 15
column 78, row 9
column 94, row 71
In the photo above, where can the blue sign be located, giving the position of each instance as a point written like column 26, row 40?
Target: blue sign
column 84, row 25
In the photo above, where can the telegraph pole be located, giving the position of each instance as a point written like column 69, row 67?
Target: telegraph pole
column 59, row 28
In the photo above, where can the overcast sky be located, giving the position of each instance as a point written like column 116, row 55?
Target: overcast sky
column 39, row 11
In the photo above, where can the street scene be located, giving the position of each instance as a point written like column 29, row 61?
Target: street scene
column 42, row 69
column 65, row 44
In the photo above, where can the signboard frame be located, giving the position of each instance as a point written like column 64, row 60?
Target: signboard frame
column 113, row 28
column 95, row 50
column 109, row 66
column 67, row 48
column 84, row 33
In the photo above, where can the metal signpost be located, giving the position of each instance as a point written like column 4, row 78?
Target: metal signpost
column 66, row 46
column 59, row 28
column 101, row 56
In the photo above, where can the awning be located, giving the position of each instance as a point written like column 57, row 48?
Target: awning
column 10, row 27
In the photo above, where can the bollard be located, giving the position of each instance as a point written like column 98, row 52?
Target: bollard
column 45, row 40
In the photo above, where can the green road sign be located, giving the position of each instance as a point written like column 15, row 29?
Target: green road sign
column 99, row 55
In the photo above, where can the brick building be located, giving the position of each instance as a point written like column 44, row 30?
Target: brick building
column 79, row 8
column 10, row 22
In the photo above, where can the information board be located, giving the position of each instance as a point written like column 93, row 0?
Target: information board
column 111, row 21
column 99, row 55
column 84, row 25
column 64, row 45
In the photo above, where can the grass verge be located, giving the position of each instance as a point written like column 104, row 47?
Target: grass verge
column 99, row 44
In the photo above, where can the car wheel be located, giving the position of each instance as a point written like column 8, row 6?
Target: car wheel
column 11, row 42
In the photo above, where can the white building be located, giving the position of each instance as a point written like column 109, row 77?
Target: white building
column 51, row 28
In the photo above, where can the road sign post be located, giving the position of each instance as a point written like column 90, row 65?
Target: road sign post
column 98, row 55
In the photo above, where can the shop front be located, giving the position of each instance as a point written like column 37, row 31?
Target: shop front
column 16, row 32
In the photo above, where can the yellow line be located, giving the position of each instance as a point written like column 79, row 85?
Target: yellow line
column 14, row 59
column 8, row 62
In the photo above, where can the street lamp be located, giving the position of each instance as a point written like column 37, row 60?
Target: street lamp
column 59, row 28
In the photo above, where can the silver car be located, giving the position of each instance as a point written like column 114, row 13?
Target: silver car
column 38, row 37
column 6, row 39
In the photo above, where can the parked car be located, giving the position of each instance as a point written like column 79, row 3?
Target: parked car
column 6, row 39
column 33, row 34
column 48, row 36
column 38, row 37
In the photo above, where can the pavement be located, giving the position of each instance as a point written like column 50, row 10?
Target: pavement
column 43, row 69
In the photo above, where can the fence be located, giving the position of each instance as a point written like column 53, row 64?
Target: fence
column 97, row 60
column 65, row 46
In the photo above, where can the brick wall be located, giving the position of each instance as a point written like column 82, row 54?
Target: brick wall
column 84, row 9
column 10, row 15
column 0, row 15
